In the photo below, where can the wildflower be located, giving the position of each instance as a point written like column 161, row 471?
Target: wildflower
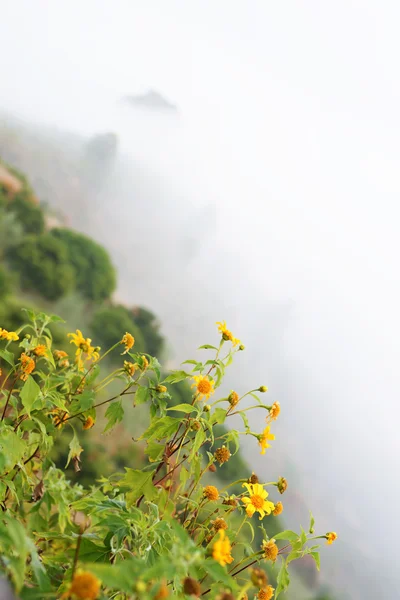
column 264, row 438
column 282, row 485
column 27, row 366
column 128, row 340
column 221, row 551
column 191, row 587
column 163, row 592
column 40, row 350
column 88, row 423
column 220, row 523
column 231, row 501
column 253, row 478
column 266, row 593
column 226, row 334
column 258, row 577
column 83, row 346
column 274, row 412
column 204, row 386
column 84, row 586
column 129, row 368
column 263, row 389
column 331, row 537
column 211, row 492
column 233, row 398
column 278, row 509
column 60, row 354
column 64, row 363
column 222, row 455
column 270, row 550
column 10, row 336
column 60, row 417
column 257, row 501
column 145, row 363
column 161, row 389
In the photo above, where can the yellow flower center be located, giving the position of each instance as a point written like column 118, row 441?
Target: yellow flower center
column 257, row 501
column 204, row 386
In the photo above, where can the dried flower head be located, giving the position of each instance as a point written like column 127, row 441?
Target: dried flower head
column 191, row 587
column 88, row 423
column 211, row 492
column 219, row 523
column 27, row 366
column 129, row 368
column 253, row 478
column 274, row 412
column 282, row 485
column 278, row 509
column 84, row 586
column 266, row 593
column 270, row 550
column 258, row 577
column 222, row 455
column 40, row 350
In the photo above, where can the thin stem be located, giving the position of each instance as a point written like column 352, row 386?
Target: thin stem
column 78, row 546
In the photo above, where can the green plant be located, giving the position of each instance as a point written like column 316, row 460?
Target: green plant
column 43, row 266
column 95, row 275
column 163, row 530
column 27, row 212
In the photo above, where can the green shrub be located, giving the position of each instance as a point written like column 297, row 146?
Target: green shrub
column 95, row 275
column 5, row 283
column 43, row 266
column 29, row 214
column 108, row 323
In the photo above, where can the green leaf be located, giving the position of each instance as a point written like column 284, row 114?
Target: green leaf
column 303, row 537
column 292, row 536
column 38, row 569
column 12, row 447
column 177, row 376
column 7, row 356
column 198, row 440
column 154, row 451
column 161, row 428
column 219, row 415
column 217, row 572
column 75, row 449
column 245, row 421
column 312, row 522
column 207, row 347
column 142, row 395
column 114, row 414
column 140, row 483
column 185, row 408
column 317, row 559
column 28, row 394
column 283, row 579
column 89, row 551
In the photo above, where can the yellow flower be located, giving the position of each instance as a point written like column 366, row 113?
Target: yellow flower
column 40, row 350
column 88, row 423
column 270, row 550
column 278, row 509
column 264, row 438
column 266, row 593
column 59, row 354
column 221, row 551
column 84, row 586
column 145, row 362
column 233, row 398
column 211, row 492
column 257, row 501
column 27, row 366
column 274, row 412
column 204, row 386
column 60, row 417
column 129, row 368
column 226, row 334
column 331, row 537
column 10, row 336
column 83, row 346
column 128, row 340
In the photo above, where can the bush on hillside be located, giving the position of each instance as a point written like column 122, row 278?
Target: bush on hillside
column 95, row 276
column 107, row 324
column 43, row 266
column 28, row 213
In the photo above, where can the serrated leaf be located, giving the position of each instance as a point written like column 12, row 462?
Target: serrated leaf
column 28, row 394
column 161, row 428
column 219, row 415
column 289, row 535
column 114, row 414
column 139, row 483
column 177, row 376
column 142, row 395
column 75, row 449
column 154, row 451
column 283, row 579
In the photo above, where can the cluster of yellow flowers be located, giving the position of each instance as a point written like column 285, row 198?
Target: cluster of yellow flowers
column 10, row 336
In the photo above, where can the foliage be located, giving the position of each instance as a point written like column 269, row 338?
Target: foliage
column 5, row 283
column 28, row 213
column 108, row 322
column 42, row 264
column 95, row 276
column 148, row 533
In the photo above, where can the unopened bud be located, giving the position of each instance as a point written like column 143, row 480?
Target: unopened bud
column 241, row 347
column 282, row 485
column 206, row 408
column 161, row 389
column 195, row 426
column 253, row 479
column 263, row 389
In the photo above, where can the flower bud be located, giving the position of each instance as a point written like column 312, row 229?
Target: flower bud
column 206, row 408
column 195, row 426
column 263, row 389
column 241, row 347
column 161, row 389
column 282, row 485
column 253, row 479
column 233, row 398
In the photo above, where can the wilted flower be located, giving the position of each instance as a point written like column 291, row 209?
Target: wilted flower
column 219, row 523
column 282, row 485
column 222, row 455
column 128, row 340
column 88, row 423
column 270, row 550
column 27, row 366
column 211, row 492
column 191, row 587
column 40, row 350
column 278, row 509
column 331, row 537
column 226, row 334
column 266, row 593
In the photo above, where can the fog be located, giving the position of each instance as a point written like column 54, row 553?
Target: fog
column 270, row 199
